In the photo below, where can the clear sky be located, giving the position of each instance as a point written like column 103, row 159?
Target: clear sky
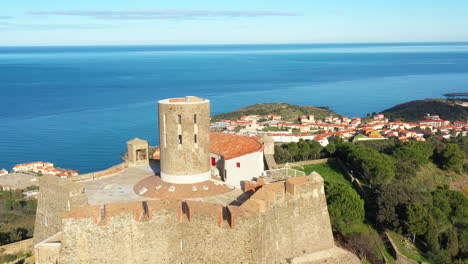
column 147, row 22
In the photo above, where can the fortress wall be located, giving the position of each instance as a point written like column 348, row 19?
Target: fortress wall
column 273, row 226
column 56, row 197
column 90, row 176
column 292, row 225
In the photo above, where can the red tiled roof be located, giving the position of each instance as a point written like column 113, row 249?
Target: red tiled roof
column 232, row 146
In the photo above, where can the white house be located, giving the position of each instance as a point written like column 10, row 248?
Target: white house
column 3, row 172
column 236, row 158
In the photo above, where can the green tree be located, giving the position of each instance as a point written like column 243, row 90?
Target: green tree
column 315, row 149
column 330, row 148
column 463, row 243
column 432, row 236
column 416, row 220
column 293, row 150
column 376, row 168
column 337, row 140
column 344, row 204
column 451, row 157
column 281, row 154
column 410, row 156
column 453, row 246
column 304, row 150
column 439, row 257
column 391, row 201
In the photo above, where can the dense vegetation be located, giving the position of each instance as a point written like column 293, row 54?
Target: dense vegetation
column 17, row 215
column 347, row 212
column 415, row 110
column 404, row 187
column 287, row 111
column 411, row 203
column 304, row 150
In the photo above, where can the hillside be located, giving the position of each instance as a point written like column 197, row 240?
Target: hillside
column 289, row 112
column 415, row 110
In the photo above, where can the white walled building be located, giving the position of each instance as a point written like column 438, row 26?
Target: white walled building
column 236, row 158
column 3, row 172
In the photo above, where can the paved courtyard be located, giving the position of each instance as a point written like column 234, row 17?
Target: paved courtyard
column 120, row 188
column 117, row 187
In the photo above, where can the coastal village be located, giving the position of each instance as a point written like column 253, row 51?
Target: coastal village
column 353, row 129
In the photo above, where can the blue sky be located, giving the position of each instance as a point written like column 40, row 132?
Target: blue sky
column 147, row 22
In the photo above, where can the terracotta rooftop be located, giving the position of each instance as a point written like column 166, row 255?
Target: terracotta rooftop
column 232, row 146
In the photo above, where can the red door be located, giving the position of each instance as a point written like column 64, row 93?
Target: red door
column 213, row 161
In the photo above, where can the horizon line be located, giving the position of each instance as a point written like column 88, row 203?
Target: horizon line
column 241, row 44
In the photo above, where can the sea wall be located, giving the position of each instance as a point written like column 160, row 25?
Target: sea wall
column 279, row 222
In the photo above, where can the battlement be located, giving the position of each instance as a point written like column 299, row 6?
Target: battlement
column 184, row 100
column 196, row 209
column 141, row 210
column 265, row 196
column 269, row 194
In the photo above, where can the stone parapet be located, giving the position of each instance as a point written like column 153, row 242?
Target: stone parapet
column 211, row 210
column 140, row 210
column 107, row 172
column 261, row 200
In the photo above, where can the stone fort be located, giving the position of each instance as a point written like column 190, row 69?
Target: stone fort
column 211, row 198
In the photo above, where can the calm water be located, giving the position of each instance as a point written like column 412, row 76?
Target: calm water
column 77, row 106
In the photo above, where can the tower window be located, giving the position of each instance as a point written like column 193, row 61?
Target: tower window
column 238, row 164
column 195, row 138
column 180, row 139
column 179, row 119
column 195, row 118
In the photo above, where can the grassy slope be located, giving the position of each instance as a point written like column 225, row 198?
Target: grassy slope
column 406, row 248
column 415, row 110
column 330, row 172
column 22, row 217
column 287, row 111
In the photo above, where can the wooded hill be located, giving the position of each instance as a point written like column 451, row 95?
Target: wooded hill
column 288, row 112
column 415, row 110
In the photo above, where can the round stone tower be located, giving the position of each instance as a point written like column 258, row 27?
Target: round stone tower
column 184, row 133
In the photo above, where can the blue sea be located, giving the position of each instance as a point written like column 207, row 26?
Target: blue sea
column 77, row 106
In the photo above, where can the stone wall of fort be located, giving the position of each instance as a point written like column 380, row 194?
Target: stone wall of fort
column 93, row 175
column 279, row 222
column 57, row 197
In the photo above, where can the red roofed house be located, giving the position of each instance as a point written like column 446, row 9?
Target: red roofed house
column 236, row 158
column 460, row 124
column 434, row 122
column 408, row 134
column 3, row 172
